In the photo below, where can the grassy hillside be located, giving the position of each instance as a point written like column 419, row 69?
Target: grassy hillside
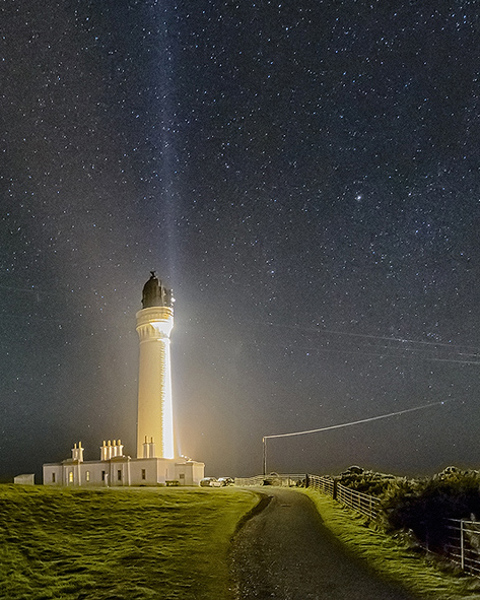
column 117, row 544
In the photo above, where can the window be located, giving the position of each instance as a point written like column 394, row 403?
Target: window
column 119, row 474
column 103, row 475
column 144, row 474
column 181, row 476
column 53, row 477
column 87, row 476
column 70, row 477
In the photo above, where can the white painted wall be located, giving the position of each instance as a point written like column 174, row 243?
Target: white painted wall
column 25, row 479
column 122, row 471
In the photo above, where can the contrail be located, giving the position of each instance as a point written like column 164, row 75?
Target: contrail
column 394, row 414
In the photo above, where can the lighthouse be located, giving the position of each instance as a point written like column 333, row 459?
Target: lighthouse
column 155, row 436
column 156, row 462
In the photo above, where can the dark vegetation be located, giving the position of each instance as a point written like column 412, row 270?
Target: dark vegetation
column 421, row 506
column 367, row 482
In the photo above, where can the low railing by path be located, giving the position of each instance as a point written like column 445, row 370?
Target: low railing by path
column 369, row 506
column 248, row 481
column 278, row 479
column 463, row 547
column 324, row 484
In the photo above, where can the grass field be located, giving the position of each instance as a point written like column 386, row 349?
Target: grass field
column 166, row 544
column 392, row 559
column 117, row 544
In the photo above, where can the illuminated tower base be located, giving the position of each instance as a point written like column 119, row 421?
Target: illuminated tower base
column 155, row 437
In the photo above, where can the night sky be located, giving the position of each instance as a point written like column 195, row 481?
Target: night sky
column 304, row 175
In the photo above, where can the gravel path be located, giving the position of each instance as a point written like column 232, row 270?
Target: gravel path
column 286, row 553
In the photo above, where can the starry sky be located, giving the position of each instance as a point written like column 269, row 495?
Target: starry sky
column 304, row 175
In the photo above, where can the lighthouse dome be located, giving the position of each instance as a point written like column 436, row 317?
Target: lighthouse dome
column 155, row 294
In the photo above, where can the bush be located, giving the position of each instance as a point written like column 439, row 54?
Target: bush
column 423, row 506
column 368, row 482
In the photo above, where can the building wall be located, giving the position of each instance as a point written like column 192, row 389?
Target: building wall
column 25, row 479
column 122, row 471
column 189, row 473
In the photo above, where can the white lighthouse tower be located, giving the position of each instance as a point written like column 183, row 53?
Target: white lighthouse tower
column 156, row 463
column 155, row 437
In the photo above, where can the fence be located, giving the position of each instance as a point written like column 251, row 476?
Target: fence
column 326, row 485
column 288, row 480
column 248, row 481
column 369, row 506
column 463, row 547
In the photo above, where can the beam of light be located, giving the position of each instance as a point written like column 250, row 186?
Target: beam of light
column 368, row 420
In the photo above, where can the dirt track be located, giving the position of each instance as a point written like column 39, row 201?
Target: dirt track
column 286, row 553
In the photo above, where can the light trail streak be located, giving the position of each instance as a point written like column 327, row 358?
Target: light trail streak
column 362, row 335
column 383, row 352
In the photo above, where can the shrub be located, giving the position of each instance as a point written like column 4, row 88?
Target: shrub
column 368, row 482
column 423, row 506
